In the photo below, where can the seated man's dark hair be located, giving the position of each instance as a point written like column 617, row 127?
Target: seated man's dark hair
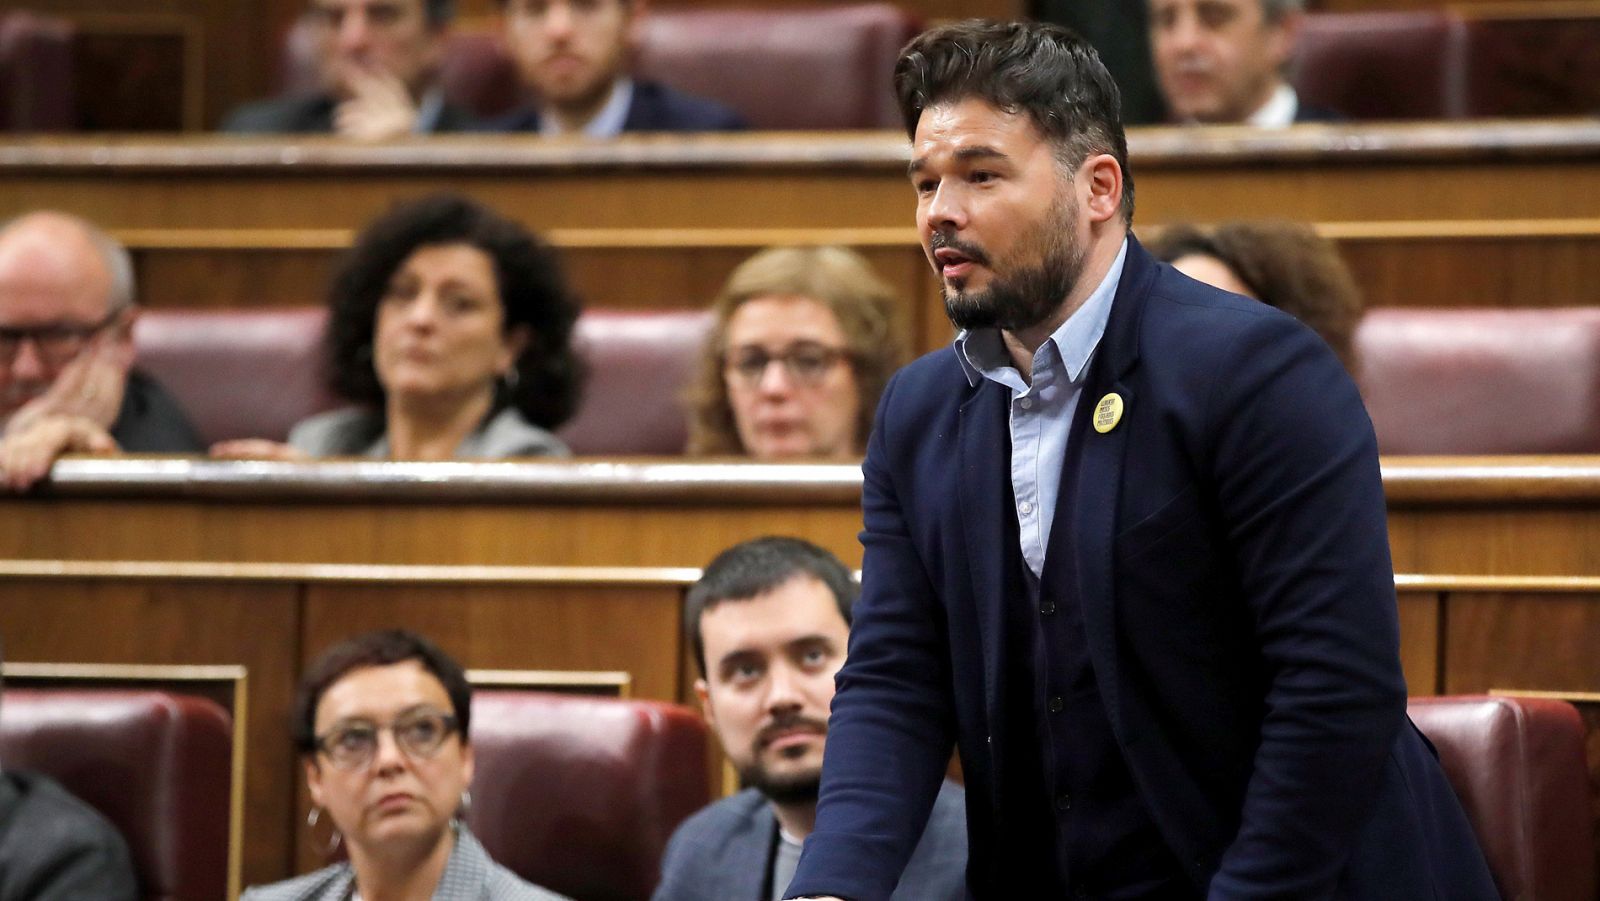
column 1044, row 71
column 752, row 568
column 380, row 648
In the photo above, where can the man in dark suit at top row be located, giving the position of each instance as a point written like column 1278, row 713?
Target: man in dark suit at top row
column 1125, row 546
column 378, row 65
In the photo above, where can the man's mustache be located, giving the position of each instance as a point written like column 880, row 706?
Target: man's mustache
column 787, row 724
column 940, row 240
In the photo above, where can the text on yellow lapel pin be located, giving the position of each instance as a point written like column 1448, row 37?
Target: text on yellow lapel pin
column 1108, row 413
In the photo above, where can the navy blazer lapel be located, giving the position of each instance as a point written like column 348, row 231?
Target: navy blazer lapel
column 1093, row 506
column 984, row 478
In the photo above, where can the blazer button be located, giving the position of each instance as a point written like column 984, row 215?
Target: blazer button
column 1063, row 801
column 1047, row 608
column 1056, row 704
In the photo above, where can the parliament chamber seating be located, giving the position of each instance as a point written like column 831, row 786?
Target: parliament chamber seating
column 242, row 373
column 816, row 68
column 808, row 68
column 1383, row 65
column 36, row 76
column 580, row 794
column 157, row 765
column 255, row 372
column 1482, row 381
column 1517, row 765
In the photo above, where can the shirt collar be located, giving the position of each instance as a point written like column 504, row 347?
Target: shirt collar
column 1279, row 110
column 607, row 123
column 983, row 354
column 429, row 109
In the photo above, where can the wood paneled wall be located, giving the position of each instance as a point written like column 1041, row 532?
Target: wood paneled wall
column 1459, row 215
column 581, row 565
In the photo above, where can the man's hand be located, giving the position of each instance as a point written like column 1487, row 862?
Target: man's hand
column 256, row 449
column 90, row 387
column 380, row 108
column 27, row 455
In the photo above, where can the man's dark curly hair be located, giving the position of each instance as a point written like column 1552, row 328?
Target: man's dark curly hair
column 533, row 293
column 1044, row 71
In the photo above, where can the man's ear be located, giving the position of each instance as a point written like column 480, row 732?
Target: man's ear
column 1101, row 178
column 1285, row 33
column 702, row 690
column 635, row 12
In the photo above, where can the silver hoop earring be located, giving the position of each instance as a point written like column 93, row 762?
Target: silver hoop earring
column 313, row 817
column 466, row 802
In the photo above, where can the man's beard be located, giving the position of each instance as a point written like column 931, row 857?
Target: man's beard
column 1028, row 294
column 799, row 787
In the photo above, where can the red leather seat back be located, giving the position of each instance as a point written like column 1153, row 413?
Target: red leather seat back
column 817, row 68
column 249, row 373
column 36, row 75
column 640, row 363
column 1482, row 381
column 580, row 794
column 1383, row 65
column 1518, row 766
column 1539, row 63
column 157, row 765
column 478, row 75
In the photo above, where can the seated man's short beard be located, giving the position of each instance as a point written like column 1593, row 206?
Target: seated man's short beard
column 793, row 788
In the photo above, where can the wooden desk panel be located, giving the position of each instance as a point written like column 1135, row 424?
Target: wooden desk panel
column 1459, row 214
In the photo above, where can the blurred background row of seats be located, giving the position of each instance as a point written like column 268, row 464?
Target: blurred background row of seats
column 829, row 67
column 1436, row 381
column 603, row 782
column 573, row 792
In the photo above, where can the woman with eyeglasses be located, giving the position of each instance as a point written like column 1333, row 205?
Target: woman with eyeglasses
column 381, row 723
column 804, row 341
column 449, row 331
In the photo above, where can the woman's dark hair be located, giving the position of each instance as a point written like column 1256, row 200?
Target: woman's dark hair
column 1043, row 71
column 533, row 293
column 1284, row 264
column 380, row 648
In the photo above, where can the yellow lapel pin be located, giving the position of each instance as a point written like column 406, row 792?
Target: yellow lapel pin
column 1108, row 413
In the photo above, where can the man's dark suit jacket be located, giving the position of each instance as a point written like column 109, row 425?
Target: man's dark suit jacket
column 1238, row 601
column 724, row 852
column 313, row 114
column 151, row 422
column 655, row 107
column 54, row 847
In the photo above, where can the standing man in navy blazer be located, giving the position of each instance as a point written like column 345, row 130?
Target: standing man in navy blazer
column 1125, row 547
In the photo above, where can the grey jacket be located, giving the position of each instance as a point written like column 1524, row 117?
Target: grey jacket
column 723, row 852
column 469, row 876
column 54, row 847
column 359, row 432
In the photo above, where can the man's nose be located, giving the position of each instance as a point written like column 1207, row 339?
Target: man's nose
column 354, row 32
column 558, row 21
column 945, row 209
column 28, row 365
column 783, row 690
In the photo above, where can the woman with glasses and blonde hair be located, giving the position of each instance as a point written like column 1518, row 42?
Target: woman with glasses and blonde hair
column 828, row 321
column 381, row 721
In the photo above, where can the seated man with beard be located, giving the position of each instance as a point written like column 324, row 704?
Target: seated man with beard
column 769, row 621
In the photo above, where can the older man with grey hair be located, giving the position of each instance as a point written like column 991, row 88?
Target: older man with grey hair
column 1223, row 61
column 66, row 351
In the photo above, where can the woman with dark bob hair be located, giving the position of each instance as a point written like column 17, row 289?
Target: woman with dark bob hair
column 381, row 722
column 1284, row 264
column 450, row 329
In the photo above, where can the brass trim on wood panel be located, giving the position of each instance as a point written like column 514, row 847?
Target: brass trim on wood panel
column 667, row 480
column 348, row 573
column 612, row 683
column 156, row 676
column 1152, row 148
column 1498, row 584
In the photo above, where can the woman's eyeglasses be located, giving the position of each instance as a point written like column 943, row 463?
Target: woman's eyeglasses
column 352, row 745
column 805, row 363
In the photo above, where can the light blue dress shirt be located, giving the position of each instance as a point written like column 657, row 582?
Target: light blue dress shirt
column 1041, row 412
column 606, row 124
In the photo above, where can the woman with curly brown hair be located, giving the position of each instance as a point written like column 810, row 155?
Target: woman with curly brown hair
column 828, row 320
column 449, row 330
column 1284, row 264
